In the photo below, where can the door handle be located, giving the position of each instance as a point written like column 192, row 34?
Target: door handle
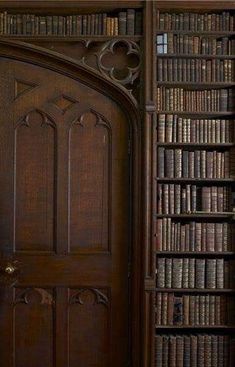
column 10, row 269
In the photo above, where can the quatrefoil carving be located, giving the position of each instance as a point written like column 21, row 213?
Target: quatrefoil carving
column 120, row 60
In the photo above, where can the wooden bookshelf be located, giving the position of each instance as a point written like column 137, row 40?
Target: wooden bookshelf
column 178, row 131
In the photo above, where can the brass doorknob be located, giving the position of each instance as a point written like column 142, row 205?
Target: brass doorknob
column 10, row 269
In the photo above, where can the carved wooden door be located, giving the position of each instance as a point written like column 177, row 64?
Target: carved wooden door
column 64, row 222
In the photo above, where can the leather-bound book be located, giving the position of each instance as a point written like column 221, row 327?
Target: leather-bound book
column 208, row 348
column 170, row 309
column 186, row 309
column 168, row 273
column 172, row 351
column 200, row 273
column 192, row 310
column 201, row 350
column 178, row 163
column 122, row 22
column 164, row 308
column 185, row 276
column 214, row 350
column 160, row 272
column 179, row 351
column 194, row 351
column 192, row 278
column 161, row 162
column 211, row 273
column 170, row 163
column 177, row 273
column 158, row 312
column 220, row 273
column 221, row 351
column 130, row 22
column 187, row 351
column 165, row 351
column 202, row 310
column 212, row 319
column 161, row 128
column 158, row 350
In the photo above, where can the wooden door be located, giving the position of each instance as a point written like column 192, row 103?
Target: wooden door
column 64, row 222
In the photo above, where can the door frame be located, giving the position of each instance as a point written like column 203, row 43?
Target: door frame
column 64, row 65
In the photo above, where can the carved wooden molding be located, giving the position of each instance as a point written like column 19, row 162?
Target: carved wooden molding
column 46, row 119
column 26, row 296
column 99, row 297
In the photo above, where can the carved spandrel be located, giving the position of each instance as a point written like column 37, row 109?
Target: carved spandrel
column 34, row 296
column 118, row 60
column 89, row 295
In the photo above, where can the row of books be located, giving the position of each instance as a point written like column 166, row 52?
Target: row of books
column 175, row 129
column 193, row 236
column 179, row 99
column 125, row 23
column 195, row 70
column 194, row 310
column 194, row 350
column 190, row 273
column 182, row 199
column 179, row 163
column 223, row 21
column 170, row 43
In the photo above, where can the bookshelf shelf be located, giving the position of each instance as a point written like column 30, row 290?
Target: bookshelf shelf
column 196, row 215
column 197, row 56
column 195, row 327
column 195, row 253
column 193, row 146
column 197, row 85
column 200, row 181
column 194, row 290
column 99, row 38
column 200, row 33
column 199, row 114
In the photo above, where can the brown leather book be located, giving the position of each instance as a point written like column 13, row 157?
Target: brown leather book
column 211, row 274
column 200, row 273
column 187, row 351
column 158, row 311
column 220, row 276
column 172, row 351
column 170, row 308
column 208, row 348
column 186, row 309
column 201, row 350
column 194, row 351
column 177, row 273
column 214, row 350
column 179, row 351
column 164, row 308
column 161, row 273
column 158, row 350
column 168, row 273
column 212, row 319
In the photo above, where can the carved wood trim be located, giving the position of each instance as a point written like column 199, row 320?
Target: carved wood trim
column 100, row 297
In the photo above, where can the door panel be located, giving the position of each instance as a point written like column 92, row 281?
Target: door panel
column 34, row 177
column 89, row 185
column 64, row 217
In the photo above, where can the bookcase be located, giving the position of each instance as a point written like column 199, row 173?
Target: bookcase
column 170, row 66
column 194, row 309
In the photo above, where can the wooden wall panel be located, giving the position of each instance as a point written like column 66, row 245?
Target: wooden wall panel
column 89, row 184
column 33, row 310
column 34, row 184
column 89, row 314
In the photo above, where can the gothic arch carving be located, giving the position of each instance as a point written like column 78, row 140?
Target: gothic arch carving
column 75, row 69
